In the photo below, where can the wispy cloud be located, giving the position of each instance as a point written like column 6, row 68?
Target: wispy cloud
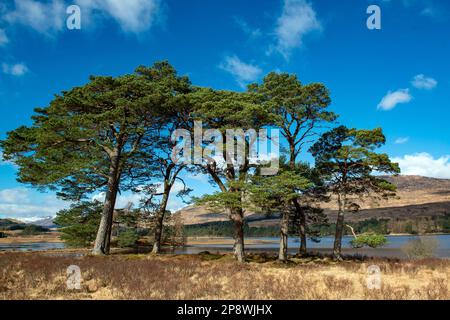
column 19, row 195
column 435, row 11
column 298, row 18
column 46, row 18
column 247, row 29
column 429, row 8
column 3, row 38
column 49, row 18
column 424, row 164
column 132, row 15
column 422, row 82
column 402, row 140
column 243, row 72
column 392, row 99
column 16, row 70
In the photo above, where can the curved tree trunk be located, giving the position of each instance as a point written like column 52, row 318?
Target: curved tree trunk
column 103, row 239
column 353, row 231
column 160, row 222
column 339, row 231
column 284, row 230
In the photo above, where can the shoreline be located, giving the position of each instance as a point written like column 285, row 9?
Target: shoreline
column 54, row 237
column 219, row 245
column 208, row 240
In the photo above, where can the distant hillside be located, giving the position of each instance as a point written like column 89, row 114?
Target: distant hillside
column 45, row 222
column 10, row 221
column 13, row 225
column 420, row 201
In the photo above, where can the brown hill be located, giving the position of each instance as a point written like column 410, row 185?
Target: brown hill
column 417, row 198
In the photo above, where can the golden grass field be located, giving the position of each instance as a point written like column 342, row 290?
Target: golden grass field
column 206, row 276
column 16, row 237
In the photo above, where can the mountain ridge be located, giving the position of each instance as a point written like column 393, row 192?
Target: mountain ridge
column 417, row 198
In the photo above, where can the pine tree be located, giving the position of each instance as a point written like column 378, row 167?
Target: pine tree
column 222, row 110
column 79, row 223
column 348, row 161
column 301, row 112
column 89, row 139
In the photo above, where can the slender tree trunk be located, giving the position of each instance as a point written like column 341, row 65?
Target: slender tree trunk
column 298, row 209
column 301, row 226
column 237, row 217
column 103, row 239
column 292, row 155
column 302, row 250
column 339, row 231
column 160, row 222
column 109, row 232
column 284, row 230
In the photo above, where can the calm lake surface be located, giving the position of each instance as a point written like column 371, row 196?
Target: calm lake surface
column 392, row 249
column 34, row 246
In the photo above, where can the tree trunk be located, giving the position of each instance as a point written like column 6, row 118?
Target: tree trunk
column 301, row 226
column 302, row 235
column 237, row 217
column 292, row 155
column 339, row 231
column 298, row 209
column 103, row 239
column 284, row 230
column 160, row 222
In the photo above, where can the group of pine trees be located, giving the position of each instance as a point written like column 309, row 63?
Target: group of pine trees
column 114, row 135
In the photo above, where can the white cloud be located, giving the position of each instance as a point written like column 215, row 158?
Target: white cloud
column 46, row 18
column 402, row 140
column 17, row 70
column 29, row 205
column 422, row 82
column 3, row 38
column 243, row 72
column 132, row 15
column 297, row 19
column 424, row 164
column 19, row 195
column 22, row 203
column 33, row 219
column 49, row 17
column 391, row 99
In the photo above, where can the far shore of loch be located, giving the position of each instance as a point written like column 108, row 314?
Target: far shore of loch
column 51, row 243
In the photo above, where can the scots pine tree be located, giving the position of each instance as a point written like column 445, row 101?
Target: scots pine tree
column 348, row 160
column 301, row 112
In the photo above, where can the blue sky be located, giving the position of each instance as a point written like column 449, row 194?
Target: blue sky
column 397, row 77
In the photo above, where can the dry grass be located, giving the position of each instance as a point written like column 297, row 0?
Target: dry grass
column 16, row 237
column 36, row 276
